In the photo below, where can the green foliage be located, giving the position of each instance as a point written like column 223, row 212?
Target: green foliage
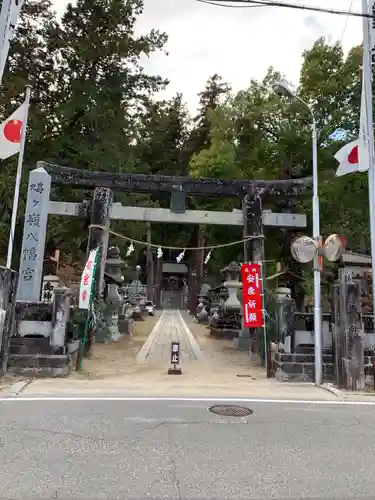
column 257, row 135
column 94, row 107
column 88, row 91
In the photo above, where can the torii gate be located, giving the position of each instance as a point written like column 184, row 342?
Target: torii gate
column 103, row 209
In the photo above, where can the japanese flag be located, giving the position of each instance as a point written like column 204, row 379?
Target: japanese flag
column 11, row 132
column 348, row 159
column 354, row 157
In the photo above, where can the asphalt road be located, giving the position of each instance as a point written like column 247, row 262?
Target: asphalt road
column 178, row 449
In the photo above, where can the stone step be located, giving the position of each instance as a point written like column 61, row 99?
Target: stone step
column 301, row 372
column 299, row 358
column 38, row 361
column 34, row 346
column 309, row 349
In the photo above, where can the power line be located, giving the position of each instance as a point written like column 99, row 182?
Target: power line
column 210, row 2
column 346, row 21
column 271, row 3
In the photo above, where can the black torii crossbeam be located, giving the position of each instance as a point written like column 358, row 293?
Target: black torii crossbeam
column 143, row 183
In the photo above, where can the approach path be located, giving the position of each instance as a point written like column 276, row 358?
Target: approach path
column 171, row 327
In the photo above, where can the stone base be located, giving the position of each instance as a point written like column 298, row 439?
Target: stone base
column 174, row 371
column 102, row 335
column 300, row 367
column 125, row 325
column 225, row 333
column 369, row 364
column 256, row 359
column 203, row 321
column 241, row 343
column 115, row 334
column 34, row 357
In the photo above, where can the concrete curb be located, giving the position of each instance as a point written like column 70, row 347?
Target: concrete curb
column 15, row 389
column 145, row 349
column 333, row 390
column 192, row 340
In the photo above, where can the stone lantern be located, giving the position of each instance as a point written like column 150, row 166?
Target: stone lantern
column 203, row 302
column 232, row 283
column 114, row 301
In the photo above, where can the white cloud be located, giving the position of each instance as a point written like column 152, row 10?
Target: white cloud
column 238, row 44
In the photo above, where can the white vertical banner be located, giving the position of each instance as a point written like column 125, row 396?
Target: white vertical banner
column 87, row 279
column 9, row 15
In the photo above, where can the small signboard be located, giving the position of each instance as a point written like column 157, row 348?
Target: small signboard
column 175, row 353
column 175, row 359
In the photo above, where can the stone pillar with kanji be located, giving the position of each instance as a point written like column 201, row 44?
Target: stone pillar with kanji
column 34, row 236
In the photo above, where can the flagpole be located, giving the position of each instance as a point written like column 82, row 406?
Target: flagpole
column 5, row 8
column 10, row 11
column 18, row 178
column 367, row 80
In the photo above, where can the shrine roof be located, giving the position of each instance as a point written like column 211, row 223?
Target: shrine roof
column 355, row 258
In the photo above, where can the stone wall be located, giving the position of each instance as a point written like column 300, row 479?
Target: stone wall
column 300, row 367
column 8, row 288
column 39, row 345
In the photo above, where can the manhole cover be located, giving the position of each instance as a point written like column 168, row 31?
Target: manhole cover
column 231, row 410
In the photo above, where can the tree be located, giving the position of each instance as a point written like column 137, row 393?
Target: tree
column 89, row 92
column 162, row 136
column 216, row 91
column 100, row 81
column 101, row 87
column 30, row 62
column 94, row 107
column 257, row 135
column 332, row 84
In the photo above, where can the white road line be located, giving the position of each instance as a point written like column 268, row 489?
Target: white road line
column 189, row 399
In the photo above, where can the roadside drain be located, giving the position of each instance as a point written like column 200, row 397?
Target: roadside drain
column 231, row 410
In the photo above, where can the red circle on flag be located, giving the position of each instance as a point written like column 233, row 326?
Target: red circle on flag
column 12, row 131
column 353, row 155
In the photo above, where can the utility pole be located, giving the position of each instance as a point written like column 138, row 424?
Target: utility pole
column 369, row 127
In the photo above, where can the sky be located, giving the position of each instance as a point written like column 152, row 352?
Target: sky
column 237, row 43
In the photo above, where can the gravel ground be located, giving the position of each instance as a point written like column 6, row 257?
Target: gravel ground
column 118, row 358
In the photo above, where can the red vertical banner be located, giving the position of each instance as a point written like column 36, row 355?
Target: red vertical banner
column 252, row 299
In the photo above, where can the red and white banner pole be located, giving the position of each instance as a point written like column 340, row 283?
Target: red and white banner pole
column 18, row 178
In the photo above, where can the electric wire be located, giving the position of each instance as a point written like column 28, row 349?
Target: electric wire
column 276, row 3
column 346, row 22
column 211, row 2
